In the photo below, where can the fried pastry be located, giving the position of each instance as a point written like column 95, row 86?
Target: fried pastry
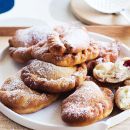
column 64, row 48
column 70, row 48
column 66, row 59
column 109, row 51
column 111, row 72
column 122, row 97
column 21, row 54
column 29, row 36
column 43, row 76
column 73, row 39
column 23, row 40
column 87, row 104
column 21, row 99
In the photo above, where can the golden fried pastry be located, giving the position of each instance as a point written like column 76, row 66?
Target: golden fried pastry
column 21, row 99
column 122, row 97
column 111, row 72
column 64, row 48
column 73, row 39
column 29, row 36
column 70, row 48
column 43, row 76
column 109, row 51
column 67, row 59
column 21, row 54
column 22, row 41
column 87, row 104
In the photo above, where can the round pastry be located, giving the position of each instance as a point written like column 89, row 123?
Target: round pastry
column 87, row 104
column 29, row 36
column 111, row 72
column 21, row 99
column 43, row 76
column 122, row 97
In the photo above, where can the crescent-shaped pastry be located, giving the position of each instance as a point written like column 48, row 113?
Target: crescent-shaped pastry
column 88, row 104
column 21, row 99
column 111, row 72
column 23, row 40
column 122, row 97
column 43, row 76
column 30, row 36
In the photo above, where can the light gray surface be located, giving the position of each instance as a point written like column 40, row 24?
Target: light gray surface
column 33, row 12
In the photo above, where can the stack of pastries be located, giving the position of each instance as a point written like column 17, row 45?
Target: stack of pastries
column 65, row 59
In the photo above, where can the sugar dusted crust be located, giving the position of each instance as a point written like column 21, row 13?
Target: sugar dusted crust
column 47, row 77
column 66, row 59
column 109, row 51
column 59, row 56
column 21, row 99
column 68, row 47
column 30, row 36
column 87, row 104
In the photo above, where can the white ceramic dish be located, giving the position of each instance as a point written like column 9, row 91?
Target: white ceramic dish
column 49, row 118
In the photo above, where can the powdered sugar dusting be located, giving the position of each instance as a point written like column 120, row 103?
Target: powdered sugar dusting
column 36, row 33
column 49, row 71
column 20, row 96
column 107, row 47
column 77, row 37
column 83, row 101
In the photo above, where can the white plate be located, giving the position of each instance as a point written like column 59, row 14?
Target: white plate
column 49, row 117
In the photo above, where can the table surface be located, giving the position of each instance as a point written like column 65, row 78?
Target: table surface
column 120, row 33
column 38, row 12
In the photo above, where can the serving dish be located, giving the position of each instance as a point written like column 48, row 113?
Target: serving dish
column 49, row 117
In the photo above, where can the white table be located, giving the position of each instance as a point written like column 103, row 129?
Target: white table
column 33, row 12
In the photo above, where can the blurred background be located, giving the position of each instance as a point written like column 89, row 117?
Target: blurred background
column 33, row 12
